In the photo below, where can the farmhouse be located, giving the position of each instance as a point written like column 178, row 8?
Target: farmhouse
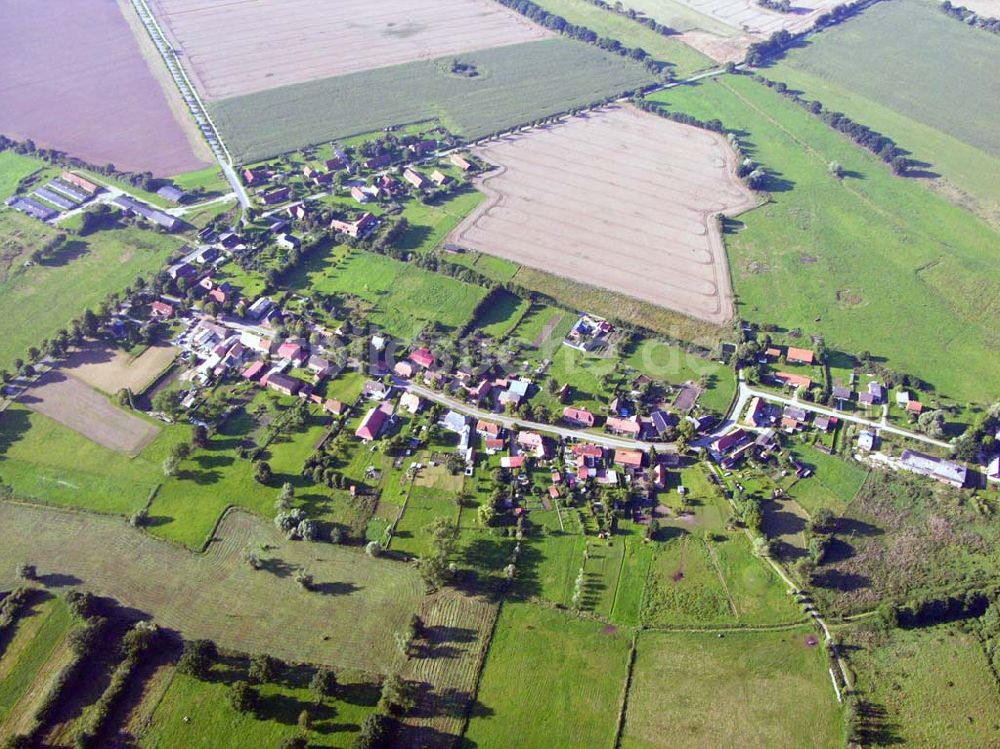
column 378, row 162
column 629, row 458
column 282, row 383
column 277, row 195
column 578, row 417
column 416, row 179
column 757, row 414
column 532, row 441
column 359, row 195
column 423, row 357
column 374, row 422
column 460, row 162
column 866, row 440
column 842, row 394
column 732, row 440
column 292, row 352
column 799, row 355
column 512, row 461
column 453, row 422
column 487, row 429
column 355, row 229
column 439, row 178
column 375, row 390
column 493, row 445
column 161, row 310
column 335, row 407
column 410, row 402
column 793, row 380
column 617, row 425
column 252, row 371
column 945, row 471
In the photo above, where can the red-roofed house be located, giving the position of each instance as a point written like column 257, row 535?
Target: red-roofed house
column 493, row 445
column 423, row 357
column 161, row 309
column 373, row 422
column 334, row 407
column 487, row 428
column 618, row 425
column 291, row 351
column 554, row 491
column 794, row 380
column 731, row 440
column 532, row 441
column 512, row 461
column 914, row 407
column 578, row 416
column 799, row 355
column 629, row 458
column 252, row 372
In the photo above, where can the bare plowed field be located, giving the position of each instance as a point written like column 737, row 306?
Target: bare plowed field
column 347, row 620
column 75, row 404
column 72, row 77
column 240, row 47
column 617, row 199
column 740, row 15
column 111, row 369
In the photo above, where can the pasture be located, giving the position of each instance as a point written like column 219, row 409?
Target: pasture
column 618, row 199
column 78, row 406
column 112, row 110
column 793, row 258
column 515, row 85
column 36, row 301
column 346, row 621
column 933, row 686
column 684, row 60
column 222, row 45
column 941, row 103
column 401, row 298
column 739, row 689
column 44, row 461
column 13, row 168
column 550, row 679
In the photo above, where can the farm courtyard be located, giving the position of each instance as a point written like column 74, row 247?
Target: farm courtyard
column 222, row 44
column 617, row 199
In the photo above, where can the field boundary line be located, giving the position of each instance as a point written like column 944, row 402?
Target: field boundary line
column 722, row 578
column 622, row 711
column 618, row 580
column 481, row 667
column 734, row 628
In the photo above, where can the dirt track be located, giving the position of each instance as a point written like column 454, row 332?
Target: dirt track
column 618, row 199
column 72, row 77
column 237, row 48
column 75, row 404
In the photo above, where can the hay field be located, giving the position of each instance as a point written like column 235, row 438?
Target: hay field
column 78, row 406
column 347, row 621
column 232, row 49
column 72, row 77
column 618, row 199
column 516, row 84
column 111, row 369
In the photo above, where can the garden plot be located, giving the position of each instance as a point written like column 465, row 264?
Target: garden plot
column 76, row 405
column 617, row 199
column 224, row 43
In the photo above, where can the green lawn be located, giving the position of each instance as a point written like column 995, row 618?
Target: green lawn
column 402, row 297
column 13, row 168
column 858, row 259
column 430, row 225
column 934, row 685
column 833, row 484
column 765, row 689
column 518, row 83
column 550, row 679
column 684, row 60
column 672, row 364
column 197, row 713
column 502, row 315
column 43, row 460
column 424, row 505
column 36, row 301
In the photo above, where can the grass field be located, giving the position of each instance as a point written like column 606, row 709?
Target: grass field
column 933, row 684
column 856, row 259
column 833, row 484
column 347, row 620
column 13, row 168
column 503, row 314
column 516, row 84
column 605, row 23
column 197, row 713
column 45, row 461
column 37, row 634
column 36, row 301
column 673, row 365
column 403, row 298
column 766, row 689
column 430, row 225
column 940, row 103
column 550, row 679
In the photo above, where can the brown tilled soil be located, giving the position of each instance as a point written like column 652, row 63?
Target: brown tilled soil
column 75, row 404
column 238, row 48
column 110, row 369
column 617, row 199
column 72, row 77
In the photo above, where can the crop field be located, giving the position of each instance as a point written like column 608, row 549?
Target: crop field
column 550, row 679
column 36, row 301
column 75, row 404
column 448, row 663
column 222, row 44
column 401, row 297
column 683, row 59
column 346, row 621
column 111, row 369
column 805, row 259
column 740, row 689
column 82, row 58
column 933, row 685
column 515, row 85
column 942, row 103
column 618, row 199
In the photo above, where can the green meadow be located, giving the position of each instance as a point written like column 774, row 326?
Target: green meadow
column 873, row 262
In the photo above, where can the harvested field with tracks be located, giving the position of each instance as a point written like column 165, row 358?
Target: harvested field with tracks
column 110, row 369
column 618, row 199
column 73, row 77
column 347, row 620
column 311, row 39
column 73, row 403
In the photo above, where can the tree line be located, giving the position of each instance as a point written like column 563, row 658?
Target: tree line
column 970, row 17
column 775, row 45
